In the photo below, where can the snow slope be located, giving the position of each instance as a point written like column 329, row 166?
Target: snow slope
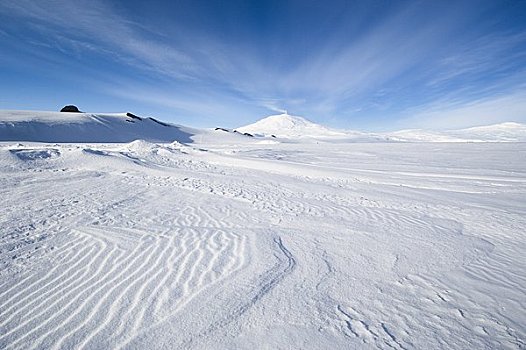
column 86, row 127
column 275, row 245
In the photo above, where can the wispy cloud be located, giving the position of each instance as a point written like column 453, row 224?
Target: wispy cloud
column 493, row 53
column 96, row 23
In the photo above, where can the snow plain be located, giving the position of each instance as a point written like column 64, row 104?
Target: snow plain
column 236, row 242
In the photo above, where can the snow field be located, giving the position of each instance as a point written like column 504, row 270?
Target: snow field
column 300, row 245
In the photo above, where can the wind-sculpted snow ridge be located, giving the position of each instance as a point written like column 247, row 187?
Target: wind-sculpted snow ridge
column 249, row 245
column 114, row 281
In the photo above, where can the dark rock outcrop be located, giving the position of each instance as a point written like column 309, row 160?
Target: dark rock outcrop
column 133, row 116
column 158, row 122
column 70, row 109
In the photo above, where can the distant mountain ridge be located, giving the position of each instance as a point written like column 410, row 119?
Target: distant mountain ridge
column 287, row 126
column 508, row 131
column 59, row 127
column 503, row 132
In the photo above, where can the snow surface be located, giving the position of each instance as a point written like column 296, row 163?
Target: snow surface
column 228, row 242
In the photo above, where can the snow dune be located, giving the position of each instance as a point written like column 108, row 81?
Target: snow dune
column 227, row 242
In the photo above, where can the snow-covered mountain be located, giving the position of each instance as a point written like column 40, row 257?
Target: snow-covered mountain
column 293, row 127
column 39, row 126
column 288, row 126
column 504, row 132
column 419, row 135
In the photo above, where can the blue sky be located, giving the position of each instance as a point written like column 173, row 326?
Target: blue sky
column 369, row 65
